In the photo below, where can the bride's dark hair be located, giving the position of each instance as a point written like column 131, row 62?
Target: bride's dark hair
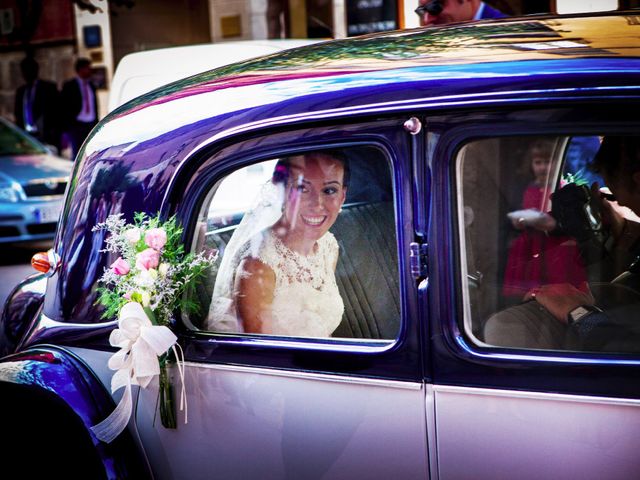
column 283, row 166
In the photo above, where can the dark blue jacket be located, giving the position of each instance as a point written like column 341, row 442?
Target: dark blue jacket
column 490, row 12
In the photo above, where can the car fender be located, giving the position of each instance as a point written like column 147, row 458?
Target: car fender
column 50, row 400
column 20, row 311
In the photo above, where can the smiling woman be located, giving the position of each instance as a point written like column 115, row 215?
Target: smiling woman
column 280, row 275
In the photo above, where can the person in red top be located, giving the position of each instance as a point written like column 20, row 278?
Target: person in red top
column 538, row 255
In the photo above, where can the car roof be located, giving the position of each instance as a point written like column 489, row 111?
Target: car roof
column 141, row 72
column 482, row 60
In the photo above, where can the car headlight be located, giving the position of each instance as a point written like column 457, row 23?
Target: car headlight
column 10, row 192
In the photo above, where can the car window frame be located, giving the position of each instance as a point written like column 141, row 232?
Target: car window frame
column 215, row 161
column 471, row 345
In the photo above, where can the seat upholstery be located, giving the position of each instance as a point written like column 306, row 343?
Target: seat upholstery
column 367, row 271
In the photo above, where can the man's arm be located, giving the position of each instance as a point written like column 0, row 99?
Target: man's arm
column 575, row 308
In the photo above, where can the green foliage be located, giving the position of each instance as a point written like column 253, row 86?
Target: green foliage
column 161, row 289
column 578, row 178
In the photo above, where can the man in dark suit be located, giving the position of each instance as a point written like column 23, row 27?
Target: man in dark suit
column 442, row 12
column 80, row 106
column 36, row 105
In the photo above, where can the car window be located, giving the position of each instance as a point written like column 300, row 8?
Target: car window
column 14, row 142
column 548, row 264
column 306, row 247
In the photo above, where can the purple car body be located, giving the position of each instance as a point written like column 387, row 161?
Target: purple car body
column 422, row 396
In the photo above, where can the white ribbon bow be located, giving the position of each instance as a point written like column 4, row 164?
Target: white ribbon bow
column 136, row 363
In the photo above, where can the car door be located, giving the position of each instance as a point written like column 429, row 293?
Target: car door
column 293, row 406
column 515, row 392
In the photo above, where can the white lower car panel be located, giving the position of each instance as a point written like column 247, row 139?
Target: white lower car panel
column 499, row 434
column 259, row 423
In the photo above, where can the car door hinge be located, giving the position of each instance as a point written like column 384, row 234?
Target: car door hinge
column 418, row 259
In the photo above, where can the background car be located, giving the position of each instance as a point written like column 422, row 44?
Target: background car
column 32, row 185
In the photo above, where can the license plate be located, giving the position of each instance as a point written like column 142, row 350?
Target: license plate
column 48, row 213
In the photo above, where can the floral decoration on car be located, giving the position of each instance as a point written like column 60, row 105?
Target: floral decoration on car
column 143, row 287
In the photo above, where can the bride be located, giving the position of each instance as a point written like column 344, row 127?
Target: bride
column 278, row 273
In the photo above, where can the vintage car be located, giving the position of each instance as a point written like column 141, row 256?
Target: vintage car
column 469, row 149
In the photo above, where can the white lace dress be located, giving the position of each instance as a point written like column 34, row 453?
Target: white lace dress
column 306, row 300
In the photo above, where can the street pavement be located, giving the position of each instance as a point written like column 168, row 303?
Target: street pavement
column 15, row 265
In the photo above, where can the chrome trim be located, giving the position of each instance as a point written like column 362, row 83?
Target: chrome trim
column 432, row 444
column 551, row 356
column 40, row 181
column 54, row 262
column 409, row 385
column 413, row 125
column 412, row 104
column 301, row 343
column 558, row 397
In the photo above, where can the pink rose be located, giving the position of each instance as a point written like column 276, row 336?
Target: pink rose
column 120, row 266
column 147, row 259
column 155, row 238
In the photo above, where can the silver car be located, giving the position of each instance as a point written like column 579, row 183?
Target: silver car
column 32, row 186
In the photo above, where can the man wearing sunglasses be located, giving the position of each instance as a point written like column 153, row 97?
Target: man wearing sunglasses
column 441, row 12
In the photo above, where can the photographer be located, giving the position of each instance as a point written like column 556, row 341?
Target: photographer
column 614, row 328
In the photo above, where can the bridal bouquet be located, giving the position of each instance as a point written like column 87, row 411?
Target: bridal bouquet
column 143, row 287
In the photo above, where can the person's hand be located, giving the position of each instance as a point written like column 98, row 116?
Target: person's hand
column 560, row 298
column 544, row 223
column 532, row 218
column 613, row 215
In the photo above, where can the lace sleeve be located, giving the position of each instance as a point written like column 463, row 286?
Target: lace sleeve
column 332, row 250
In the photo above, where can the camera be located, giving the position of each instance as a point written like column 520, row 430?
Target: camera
column 577, row 215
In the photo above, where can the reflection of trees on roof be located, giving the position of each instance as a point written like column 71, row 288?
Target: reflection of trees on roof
column 390, row 46
column 386, row 47
column 464, row 43
column 114, row 178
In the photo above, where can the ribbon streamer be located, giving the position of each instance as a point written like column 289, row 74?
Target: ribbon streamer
column 136, row 363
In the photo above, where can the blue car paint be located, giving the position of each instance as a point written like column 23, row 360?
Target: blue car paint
column 170, row 129
column 60, row 372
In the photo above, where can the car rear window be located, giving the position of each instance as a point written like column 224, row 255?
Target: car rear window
column 544, row 265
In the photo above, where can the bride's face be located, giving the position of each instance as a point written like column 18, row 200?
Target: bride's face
column 314, row 195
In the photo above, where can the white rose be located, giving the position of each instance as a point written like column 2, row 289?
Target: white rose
column 146, row 298
column 132, row 235
column 163, row 269
column 146, row 278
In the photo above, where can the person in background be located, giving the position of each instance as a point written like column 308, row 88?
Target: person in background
column 615, row 328
column 539, row 254
column 442, row 12
column 36, row 105
column 565, row 316
column 79, row 105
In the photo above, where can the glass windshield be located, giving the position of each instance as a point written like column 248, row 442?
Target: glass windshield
column 15, row 142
